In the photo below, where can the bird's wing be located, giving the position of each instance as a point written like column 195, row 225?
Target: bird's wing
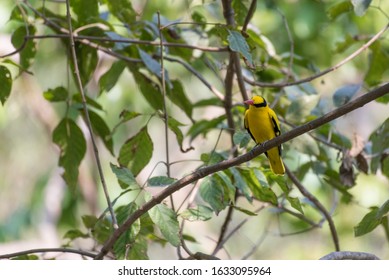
column 276, row 125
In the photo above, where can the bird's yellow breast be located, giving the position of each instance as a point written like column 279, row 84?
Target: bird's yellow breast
column 260, row 124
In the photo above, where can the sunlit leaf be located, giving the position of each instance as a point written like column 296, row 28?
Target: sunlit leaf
column 124, row 175
column 75, row 233
column 166, row 220
column 383, row 210
column 57, row 94
column 339, row 9
column 368, row 223
column 295, row 203
column 360, row 6
column 378, row 64
column 245, row 211
column 137, row 151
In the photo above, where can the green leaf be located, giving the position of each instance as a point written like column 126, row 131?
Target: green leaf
column 77, row 98
column 109, row 79
column 212, row 193
column 295, row 203
column 126, row 115
column 87, row 59
column 75, row 233
column 55, row 95
column 27, row 54
column 240, row 11
column 344, row 94
column 229, row 187
column 339, row 9
column 380, row 142
column 204, row 126
column 121, row 9
column 177, row 95
column 136, row 153
column 70, row 139
column 28, row 257
column 241, row 138
column 383, row 210
column 89, row 221
column 87, row 11
column 200, row 213
column 240, row 183
column 238, row 44
column 385, row 165
column 124, row 176
column 360, row 6
column 166, row 220
column 160, row 181
column 129, row 236
column 174, row 126
column 6, row 84
column 378, row 64
column 369, row 223
column 256, row 181
column 102, row 230
column 245, row 211
column 100, row 127
column 153, row 65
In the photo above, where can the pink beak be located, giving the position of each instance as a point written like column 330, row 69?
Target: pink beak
column 249, row 102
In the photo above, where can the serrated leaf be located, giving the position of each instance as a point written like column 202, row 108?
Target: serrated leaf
column 6, row 84
column 339, row 9
column 344, row 94
column 57, row 94
column 368, row 223
column 238, row 44
column 166, row 220
column 27, row 54
column 136, row 153
column 204, row 126
column 360, row 6
column 295, row 203
column 200, row 213
column 109, row 79
column 124, row 175
column 212, row 193
column 70, row 139
column 160, row 181
column 378, row 64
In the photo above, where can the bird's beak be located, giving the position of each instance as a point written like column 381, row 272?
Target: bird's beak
column 249, row 102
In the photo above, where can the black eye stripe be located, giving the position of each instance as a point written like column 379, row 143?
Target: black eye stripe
column 263, row 104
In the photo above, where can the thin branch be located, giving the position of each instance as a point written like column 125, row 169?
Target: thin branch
column 320, row 74
column 318, row 205
column 249, row 15
column 47, row 250
column 87, row 118
column 348, row 255
column 205, row 171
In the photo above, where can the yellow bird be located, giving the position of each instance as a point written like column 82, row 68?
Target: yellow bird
column 262, row 124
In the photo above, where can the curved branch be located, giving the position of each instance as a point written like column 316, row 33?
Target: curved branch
column 318, row 75
column 348, row 255
column 205, row 171
column 47, row 250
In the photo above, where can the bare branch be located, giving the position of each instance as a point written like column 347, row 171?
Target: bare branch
column 87, row 118
column 47, row 250
column 205, row 171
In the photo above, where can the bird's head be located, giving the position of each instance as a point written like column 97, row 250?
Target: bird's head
column 257, row 101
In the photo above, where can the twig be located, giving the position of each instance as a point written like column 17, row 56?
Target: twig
column 348, row 255
column 87, row 118
column 320, row 74
column 249, row 15
column 165, row 113
column 47, row 250
column 318, row 205
column 205, row 171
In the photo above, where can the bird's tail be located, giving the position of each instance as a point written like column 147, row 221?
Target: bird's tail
column 275, row 160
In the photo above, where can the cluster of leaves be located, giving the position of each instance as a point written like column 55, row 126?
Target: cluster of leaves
column 297, row 104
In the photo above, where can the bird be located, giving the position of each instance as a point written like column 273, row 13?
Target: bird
column 262, row 124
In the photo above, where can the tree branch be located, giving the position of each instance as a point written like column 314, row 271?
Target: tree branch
column 205, row 171
column 47, row 250
column 86, row 112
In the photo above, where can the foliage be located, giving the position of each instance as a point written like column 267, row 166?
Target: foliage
column 159, row 87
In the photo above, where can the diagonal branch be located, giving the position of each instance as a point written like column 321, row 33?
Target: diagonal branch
column 86, row 112
column 205, row 171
